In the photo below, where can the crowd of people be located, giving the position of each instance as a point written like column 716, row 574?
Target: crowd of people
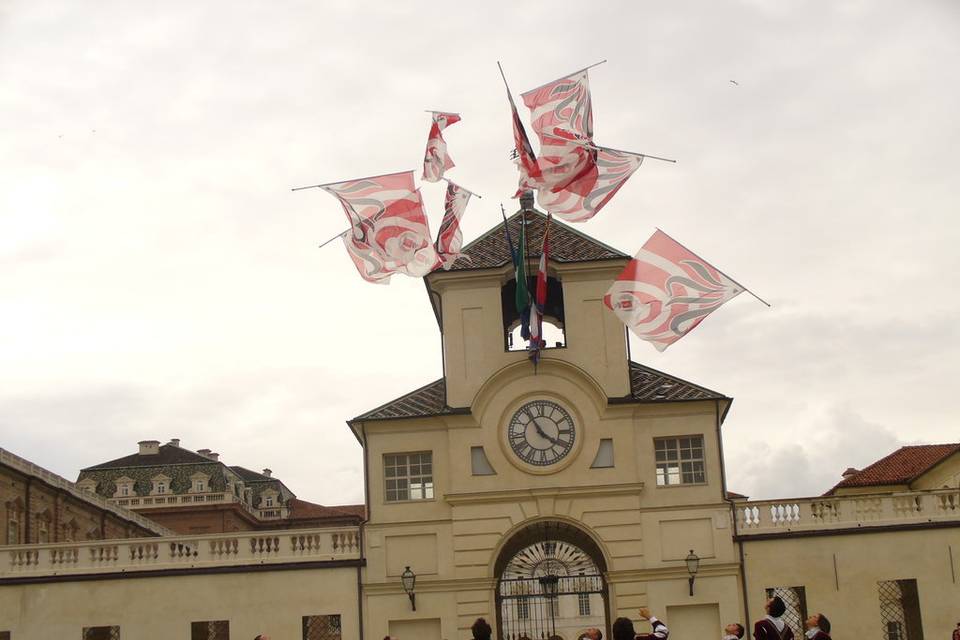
column 770, row 627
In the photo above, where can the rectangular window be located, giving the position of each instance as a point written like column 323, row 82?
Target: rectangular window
column 523, row 609
column 408, row 476
column 101, row 633
column 210, row 630
column 900, row 609
column 679, row 460
column 199, row 486
column 161, row 487
column 124, row 491
column 321, row 627
column 795, row 598
column 4, row 635
column 584, row 602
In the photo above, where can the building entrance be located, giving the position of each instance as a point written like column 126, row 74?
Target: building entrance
column 551, row 584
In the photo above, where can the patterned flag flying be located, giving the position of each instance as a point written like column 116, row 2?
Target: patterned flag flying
column 666, row 291
column 526, row 158
column 613, row 169
column 449, row 237
column 561, row 112
column 388, row 232
column 436, row 160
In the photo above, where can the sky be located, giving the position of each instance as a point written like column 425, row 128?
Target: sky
column 159, row 279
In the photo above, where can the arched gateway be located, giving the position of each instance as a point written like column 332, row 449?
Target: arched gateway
column 550, row 584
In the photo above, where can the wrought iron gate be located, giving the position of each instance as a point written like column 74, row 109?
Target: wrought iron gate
column 550, row 589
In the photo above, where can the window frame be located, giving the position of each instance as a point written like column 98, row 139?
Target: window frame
column 427, row 481
column 679, row 461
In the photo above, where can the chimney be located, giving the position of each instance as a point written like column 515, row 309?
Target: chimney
column 526, row 201
column 849, row 472
column 175, row 442
column 149, row 447
column 268, row 472
column 204, row 452
column 214, row 456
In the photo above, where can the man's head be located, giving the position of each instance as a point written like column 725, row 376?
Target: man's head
column 481, row 630
column 593, row 634
column 262, row 637
column 623, row 629
column 775, row 607
column 734, row 629
column 818, row 620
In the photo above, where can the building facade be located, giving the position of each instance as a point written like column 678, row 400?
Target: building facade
column 544, row 498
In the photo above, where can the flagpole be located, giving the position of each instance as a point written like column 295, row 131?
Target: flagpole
column 705, row 261
column 633, row 153
column 461, row 187
column 327, row 184
column 339, row 235
column 595, row 64
column 449, row 113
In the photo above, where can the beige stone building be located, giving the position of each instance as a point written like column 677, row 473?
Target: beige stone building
column 545, row 499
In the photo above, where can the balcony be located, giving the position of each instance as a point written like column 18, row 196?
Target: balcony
column 180, row 552
column 825, row 513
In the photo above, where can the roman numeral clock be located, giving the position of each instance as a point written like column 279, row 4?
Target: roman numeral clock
column 541, row 433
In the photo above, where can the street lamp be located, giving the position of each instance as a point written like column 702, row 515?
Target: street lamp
column 409, row 579
column 693, row 565
column 549, row 585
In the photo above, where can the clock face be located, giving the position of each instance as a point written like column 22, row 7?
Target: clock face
column 541, row 433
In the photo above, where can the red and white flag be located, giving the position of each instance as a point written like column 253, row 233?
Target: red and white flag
column 613, row 168
column 436, row 160
column 449, row 237
column 561, row 114
column 666, row 291
column 388, row 232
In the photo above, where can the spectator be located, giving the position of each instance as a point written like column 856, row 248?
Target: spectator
column 481, row 630
column 773, row 627
column 818, row 627
column 733, row 631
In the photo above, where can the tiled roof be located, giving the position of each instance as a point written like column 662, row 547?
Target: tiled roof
column 251, row 476
column 646, row 385
column 168, row 454
column 650, row 385
column 303, row 510
column 903, row 466
column 430, row 400
column 566, row 244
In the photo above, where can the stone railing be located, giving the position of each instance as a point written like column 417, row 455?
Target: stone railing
column 180, row 552
column 846, row 512
column 26, row 467
column 180, row 499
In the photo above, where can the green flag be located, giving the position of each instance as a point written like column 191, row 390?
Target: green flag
column 523, row 293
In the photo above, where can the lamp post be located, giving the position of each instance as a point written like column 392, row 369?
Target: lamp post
column 409, row 580
column 693, row 565
column 549, row 584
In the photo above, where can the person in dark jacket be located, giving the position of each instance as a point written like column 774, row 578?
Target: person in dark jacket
column 773, row 626
column 818, row 627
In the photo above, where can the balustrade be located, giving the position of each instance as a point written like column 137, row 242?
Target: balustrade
column 838, row 512
column 149, row 554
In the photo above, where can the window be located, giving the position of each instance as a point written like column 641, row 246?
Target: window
column 604, row 457
column 124, row 491
column 13, row 526
column 198, row 486
column 409, row 476
column 101, row 633
column 268, row 501
column 523, row 608
column 4, row 635
column 210, row 630
column 161, row 487
column 795, row 598
column 584, row 603
column 679, row 460
column 322, row 627
column 900, row 610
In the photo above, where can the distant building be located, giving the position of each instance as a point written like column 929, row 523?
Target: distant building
column 40, row 507
column 194, row 492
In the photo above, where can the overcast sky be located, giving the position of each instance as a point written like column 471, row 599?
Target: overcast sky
column 159, row 279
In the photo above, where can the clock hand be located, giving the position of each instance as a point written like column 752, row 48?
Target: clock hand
column 540, row 431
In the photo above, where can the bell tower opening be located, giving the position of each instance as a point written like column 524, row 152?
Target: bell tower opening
column 554, row 333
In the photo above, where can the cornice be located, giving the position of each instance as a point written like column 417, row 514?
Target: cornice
column 512, row 495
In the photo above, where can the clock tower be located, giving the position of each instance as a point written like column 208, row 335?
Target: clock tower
column 551, row 498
